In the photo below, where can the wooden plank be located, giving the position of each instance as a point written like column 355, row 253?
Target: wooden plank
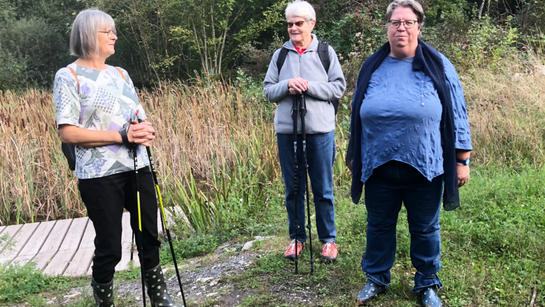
column 87, row 244
column 56, row 237
column 126, row 243
column 20, row 239
column 8, row 235
column 127, row 247
column 59, row 262
column 88, row 240
column 80, row 263
column 36, row 241
column 126, row 232
column 2, row 229
column 43, row 259
column 23, row 259
column 126, row 258
column 52, row 244
column 74, row 234
column 68, row 248
column 159, row 227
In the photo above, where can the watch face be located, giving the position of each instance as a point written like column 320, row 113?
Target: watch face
column 464, row 162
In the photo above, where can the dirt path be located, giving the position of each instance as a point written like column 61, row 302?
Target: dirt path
column 207, row 280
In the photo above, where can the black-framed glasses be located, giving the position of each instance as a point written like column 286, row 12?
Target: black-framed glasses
column 406, row 23
column 110, row 32
column 297, row 23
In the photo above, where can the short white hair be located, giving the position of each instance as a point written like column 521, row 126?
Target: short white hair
column 300, row 8
column 84, row 35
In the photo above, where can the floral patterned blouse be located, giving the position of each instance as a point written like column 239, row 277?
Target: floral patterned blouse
column 105, row 102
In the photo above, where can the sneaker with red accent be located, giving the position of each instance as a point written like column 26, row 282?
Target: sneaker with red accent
column 329, row 251
column 290, row 252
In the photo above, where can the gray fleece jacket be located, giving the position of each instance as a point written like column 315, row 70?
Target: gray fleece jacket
column 322, row 87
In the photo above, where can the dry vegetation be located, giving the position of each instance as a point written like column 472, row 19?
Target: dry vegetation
column 506, row 115
column 212, row 128
column 199, row 128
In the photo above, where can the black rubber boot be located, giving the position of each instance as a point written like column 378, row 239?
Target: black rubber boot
column 157, row 288
column 103, row 293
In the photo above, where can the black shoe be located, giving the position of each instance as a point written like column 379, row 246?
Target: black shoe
column 370, row 290
column 430, row 297
column 157, row 288
column 103, row 293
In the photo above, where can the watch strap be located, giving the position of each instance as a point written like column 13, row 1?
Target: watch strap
column 124, row 137
column 464, row 162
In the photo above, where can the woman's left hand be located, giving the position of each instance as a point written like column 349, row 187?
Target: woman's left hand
column 463, row 174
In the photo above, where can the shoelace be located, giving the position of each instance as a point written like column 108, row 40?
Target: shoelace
column 327, row 248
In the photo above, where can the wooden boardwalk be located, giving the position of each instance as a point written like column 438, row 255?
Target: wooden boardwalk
column 63, row 247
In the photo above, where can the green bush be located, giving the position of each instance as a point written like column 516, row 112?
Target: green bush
column 32, row 51
column 17, row 282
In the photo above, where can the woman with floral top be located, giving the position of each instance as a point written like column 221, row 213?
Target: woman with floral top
column 96, row 105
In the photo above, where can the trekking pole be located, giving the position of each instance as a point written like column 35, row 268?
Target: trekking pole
column 303, row 113
column 164, row 220
column 132, row 246
column 141, row 249
column 295, row 110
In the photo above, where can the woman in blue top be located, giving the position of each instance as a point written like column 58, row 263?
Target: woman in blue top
column 410, row 143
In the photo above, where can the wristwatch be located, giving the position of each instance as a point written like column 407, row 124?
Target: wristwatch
column 123, row 132
column 464, row 162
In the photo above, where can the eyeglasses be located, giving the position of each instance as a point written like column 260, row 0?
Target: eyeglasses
column 110, row 32
column 406, row 23
column 297, row 23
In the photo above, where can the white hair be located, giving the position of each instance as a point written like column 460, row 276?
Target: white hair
column 300, row 8
column 84, row 35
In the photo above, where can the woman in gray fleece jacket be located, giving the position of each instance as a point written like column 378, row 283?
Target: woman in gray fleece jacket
column 303, row 72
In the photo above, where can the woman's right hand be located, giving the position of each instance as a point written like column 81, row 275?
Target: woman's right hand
column 297, row 86
column 141, row 133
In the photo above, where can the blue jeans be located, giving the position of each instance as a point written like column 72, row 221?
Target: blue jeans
column 390, row 185
column 320, row 156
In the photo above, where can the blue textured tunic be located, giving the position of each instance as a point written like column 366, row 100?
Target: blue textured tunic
column 400, row 118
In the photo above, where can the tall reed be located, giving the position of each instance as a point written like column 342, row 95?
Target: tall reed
column 203, row 133
column 216, row 149
column 34, row 181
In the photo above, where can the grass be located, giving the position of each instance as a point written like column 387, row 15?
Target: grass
column 492, row 251
column 216, row 158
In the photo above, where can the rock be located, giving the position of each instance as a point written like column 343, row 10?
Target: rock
column 541, row 68
column 204, row 279
column 71, row 296
column 248, row 245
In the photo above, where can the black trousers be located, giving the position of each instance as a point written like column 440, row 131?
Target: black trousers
column 105, row 199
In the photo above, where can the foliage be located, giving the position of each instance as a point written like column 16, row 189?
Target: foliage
column 33, row 41
column 17, row 282
column 180, row 39
column 195, row 244
column 168, row 40
column 491, row 251
column 485, row 44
